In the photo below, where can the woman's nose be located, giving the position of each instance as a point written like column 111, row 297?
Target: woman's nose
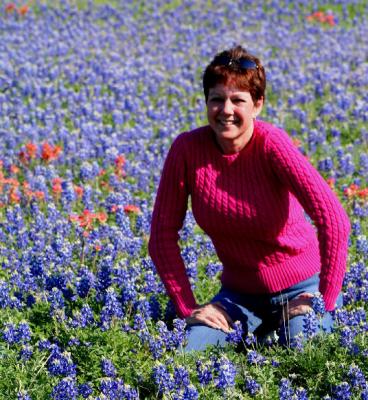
column 227, row 107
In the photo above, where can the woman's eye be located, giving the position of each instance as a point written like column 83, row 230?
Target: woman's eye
column 239, row 101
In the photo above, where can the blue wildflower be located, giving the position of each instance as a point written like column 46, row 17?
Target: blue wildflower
column 310, row 324
column 23, row 395
column 66, row 389
column 251, row 386
column 85, row 390
column 318, row 304
column 163, row 379
column 286, row 391
column 204, row 372
column 226, row 373
column 236, row 334
column 341, row 391
column 108, row 368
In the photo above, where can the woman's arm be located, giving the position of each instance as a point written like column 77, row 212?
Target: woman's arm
column 167, row 219
column 320, row 203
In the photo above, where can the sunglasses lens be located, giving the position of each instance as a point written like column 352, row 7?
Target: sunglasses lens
column 247, row 64
column 242, row 63
column 223, row 60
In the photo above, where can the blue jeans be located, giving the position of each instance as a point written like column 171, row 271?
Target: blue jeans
column 259, row 314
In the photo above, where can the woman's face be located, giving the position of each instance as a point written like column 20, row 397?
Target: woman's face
column 230, row 113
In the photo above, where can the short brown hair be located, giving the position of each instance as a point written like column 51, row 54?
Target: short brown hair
column 251, row 80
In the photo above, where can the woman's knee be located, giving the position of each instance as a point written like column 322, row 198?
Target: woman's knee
column 200, row 336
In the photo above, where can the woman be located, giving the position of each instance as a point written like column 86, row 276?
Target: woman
column 249, row 188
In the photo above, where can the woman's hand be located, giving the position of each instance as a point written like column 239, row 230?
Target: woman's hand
column 299, row 306
column 212, row 314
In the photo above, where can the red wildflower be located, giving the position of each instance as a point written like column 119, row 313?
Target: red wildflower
column 39, row 195
column 14, row 169
column 78, row 191
column 49, row 152
column 86, row 219
column 22, row 10
column 132, row 209
column 322, row 18
column 363, row 193
column 14, row 197
column 56, row 186
column 329, row 19
column 119, row 165
column 296, row 142
column 331, row 182
column 31, row 150
column 351, row 191
column 10, row 7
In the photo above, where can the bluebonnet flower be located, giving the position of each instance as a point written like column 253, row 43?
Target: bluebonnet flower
column 181, row 376
column 23, row 395
column 226, row 373
column 66, row 389
column 179, row 333
column 286, row 391
column 156, row 345
column 85, row 282
column 17, row 334
column 128, row 291
column 104, row 274
column 356, row 378
column 310, row 324
column 155, row 308
column 212, row 269
column 165, row 335
column 356, row 228
column 250, row 339
column 204, row 372
column 362, row 245
column 251, row 386
column 301, row 394
column 341, row 391
column 111, row 309
column 108, row 368
column 56, row 300
column 364, row 394
column 83, row 318
column 190, row 393
column 235, row 335
column 61, row 363
column 74, row 342
column 116, row 389
column 347, row 336
column 255, row 358
column 85, row 390
column 44, row 344
column 25, row 352
column 318, row 304
column 163, row 379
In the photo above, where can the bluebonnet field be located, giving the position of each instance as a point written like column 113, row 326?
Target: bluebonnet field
column 91, row 96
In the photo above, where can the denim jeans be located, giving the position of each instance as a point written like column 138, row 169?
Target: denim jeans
column 259, row 314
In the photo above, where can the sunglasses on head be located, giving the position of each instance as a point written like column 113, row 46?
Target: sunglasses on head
column 241, row 63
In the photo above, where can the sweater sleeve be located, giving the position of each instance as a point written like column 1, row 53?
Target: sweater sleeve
column 167, row 219
column 321, row 204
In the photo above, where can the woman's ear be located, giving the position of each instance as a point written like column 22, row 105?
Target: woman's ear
column 257, row 107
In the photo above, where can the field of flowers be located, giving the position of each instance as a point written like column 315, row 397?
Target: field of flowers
column 91, row 96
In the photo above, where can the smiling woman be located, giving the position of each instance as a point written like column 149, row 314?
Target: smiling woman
column 250, row 188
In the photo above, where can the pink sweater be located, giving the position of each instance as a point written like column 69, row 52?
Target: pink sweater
column 251, row 205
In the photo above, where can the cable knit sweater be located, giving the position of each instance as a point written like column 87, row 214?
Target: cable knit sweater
column 251, row 205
